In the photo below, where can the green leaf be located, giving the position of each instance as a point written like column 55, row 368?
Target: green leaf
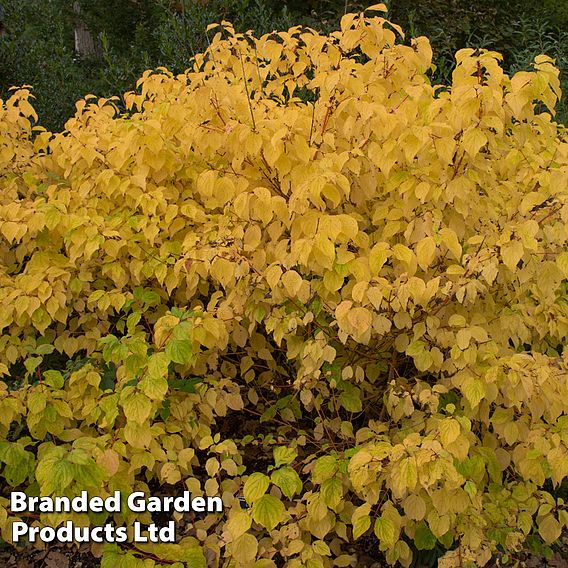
column 108, row 379
column 182, row 331
column 415, row 348
column 361, row 520
column 268, row 511
column 36, row 402
column 132, row 321
column 179, row 351
column 332, row 492
column 89, row 475
column 255, row 487
column 264, row 563
column 53, row 379
column 32, row 363
column 164, row 410
column 178, row 312
column 386, row 533
column 350, row 399
column 474, row 391
column 55, row 476
column 284, row 455
column 44, row 349
column 321, row 548
column 287, row 479
column 194, row 557
column 325, row 467
column 423, row 538
column 137, row 407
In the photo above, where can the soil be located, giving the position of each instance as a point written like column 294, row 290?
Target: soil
column 52, row 557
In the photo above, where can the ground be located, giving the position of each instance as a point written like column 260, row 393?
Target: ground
column 73, row 557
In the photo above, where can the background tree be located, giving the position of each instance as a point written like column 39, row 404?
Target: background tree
column 105, row 52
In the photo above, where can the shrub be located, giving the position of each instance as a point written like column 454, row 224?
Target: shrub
column 136, row 35
column 518, row 30
column 348, row 307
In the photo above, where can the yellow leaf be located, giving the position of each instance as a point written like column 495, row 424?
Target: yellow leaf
column 530, row 201
column 425, row 252
column 137, row 407
column 109, row 460
column 474, row 391
column 238, row 524
column 244, row 549
column 414, row 507
column 11, row 230
column 449, row 430
column 292, row 282
column 450, row 239
column 549, row 528
column 511, row 253
column 473, row 140
column 439, row 524
column 463, row 338
column 255, row 487
column 403, row 253
column 445, row 148
column 360, row 319
column 377, row 257
column 361, row 520
column 457, row 320
column 562, row 263
column 222, row 270
column 404, row 476
column 378, row 8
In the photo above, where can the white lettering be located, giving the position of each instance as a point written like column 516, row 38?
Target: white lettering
column 96, row 534
column 47, row 534
column 121, row 534
column 138, row 537
column 80, row 504
column 183, row 504
column 154, row 505
column 112, row 503
column 96, row 505
column 33, row 531
column 19, row 529
column 167, row 534
column 136, row 502
column 18, row 501
column 45, row 504
column 167, row 503
column 214, row 505
column 198, row 504
column 62, row 504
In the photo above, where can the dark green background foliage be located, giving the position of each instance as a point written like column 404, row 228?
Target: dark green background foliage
column 38, row 47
